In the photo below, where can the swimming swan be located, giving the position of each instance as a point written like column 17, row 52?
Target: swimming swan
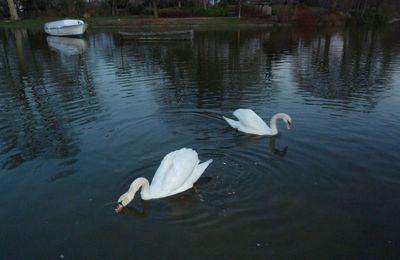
column 250, row 123
column 176, row 173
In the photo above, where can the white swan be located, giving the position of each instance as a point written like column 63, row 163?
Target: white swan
column 178, row 171
column 250, row 123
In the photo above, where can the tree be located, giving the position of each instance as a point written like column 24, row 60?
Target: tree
column 155, row 9
column 13, row 10
column 240, row 9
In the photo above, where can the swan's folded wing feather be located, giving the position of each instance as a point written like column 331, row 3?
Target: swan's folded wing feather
column 168, row 180
column 197, row 172
column 232, row 123
column 249, row 119
column 162, row 171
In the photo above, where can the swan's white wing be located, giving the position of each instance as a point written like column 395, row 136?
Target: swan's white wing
column 232, row 123
column 173, row 172
column 251, row 122
column 239, row 126
column 250, row 119
column 197, row 172
column 165, row 166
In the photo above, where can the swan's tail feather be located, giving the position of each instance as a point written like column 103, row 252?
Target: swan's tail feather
column 198, row 171
column 232, row 123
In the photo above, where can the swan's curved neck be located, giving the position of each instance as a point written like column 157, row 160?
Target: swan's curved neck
column 140, row 183
column 272, row 123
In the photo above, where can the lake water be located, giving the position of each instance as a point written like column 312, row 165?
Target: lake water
column 80, row 119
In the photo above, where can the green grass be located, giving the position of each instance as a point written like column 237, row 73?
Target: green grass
column 137, row 20
column 26, row 23
column 40, row 21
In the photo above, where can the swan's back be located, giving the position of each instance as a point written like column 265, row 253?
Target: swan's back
column 174, row 171
column 250, row 120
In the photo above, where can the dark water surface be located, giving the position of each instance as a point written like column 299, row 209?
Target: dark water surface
column 80, row 119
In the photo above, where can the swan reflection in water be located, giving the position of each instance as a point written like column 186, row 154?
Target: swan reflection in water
column 66, row 45
column 276, row 151
column 245, row 140
column 176, row 206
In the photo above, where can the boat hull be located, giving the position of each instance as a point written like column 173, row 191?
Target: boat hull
column 66, row 28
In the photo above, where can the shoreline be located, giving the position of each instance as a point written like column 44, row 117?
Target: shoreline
column 142, row 22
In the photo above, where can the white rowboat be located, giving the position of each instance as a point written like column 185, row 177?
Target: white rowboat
column 66, row 27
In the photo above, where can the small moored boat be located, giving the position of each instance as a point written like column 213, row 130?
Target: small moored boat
column 168, row 35
column 66, row 27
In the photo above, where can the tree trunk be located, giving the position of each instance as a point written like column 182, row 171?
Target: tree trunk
column 113, row 8
column 240, row 10
column 365, row 8
column 334, row 5
column 205, row 4
column 13, row 11
column 155, row 10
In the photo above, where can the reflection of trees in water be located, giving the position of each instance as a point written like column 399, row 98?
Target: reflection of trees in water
column 42, row 97
column 215, row 67
column 346, row 64
column 231, row 63
column 281, row 43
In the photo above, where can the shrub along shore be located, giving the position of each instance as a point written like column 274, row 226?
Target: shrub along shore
column 298, row 15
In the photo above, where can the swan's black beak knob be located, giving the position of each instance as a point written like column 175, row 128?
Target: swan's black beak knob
column 288, row 125
column 119, row 207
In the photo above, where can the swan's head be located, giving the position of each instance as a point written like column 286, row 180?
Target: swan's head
column 124, row 200
column 288, row 120
column 127, row 197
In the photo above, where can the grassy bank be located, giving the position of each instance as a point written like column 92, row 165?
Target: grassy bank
column 306, row 17
column 310, row 13
column 125, row 21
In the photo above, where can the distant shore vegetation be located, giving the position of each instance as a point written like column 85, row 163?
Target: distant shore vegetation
column 302, row 12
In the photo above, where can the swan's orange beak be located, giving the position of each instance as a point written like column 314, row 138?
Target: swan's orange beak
column 119, row 208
